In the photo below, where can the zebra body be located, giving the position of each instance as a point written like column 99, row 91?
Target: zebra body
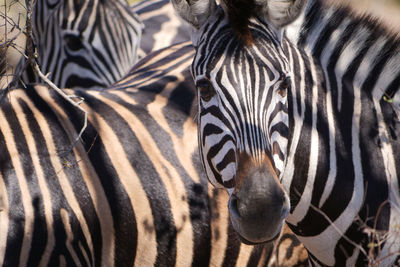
column 162, row 26
column 132, row 193
column 84, row 44
column 301, row 100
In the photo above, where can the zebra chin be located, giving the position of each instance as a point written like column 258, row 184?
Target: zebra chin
column 258, row 206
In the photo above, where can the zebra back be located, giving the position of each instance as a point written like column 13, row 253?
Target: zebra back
column 131, row 193
column 84, row 44
column 162, row 27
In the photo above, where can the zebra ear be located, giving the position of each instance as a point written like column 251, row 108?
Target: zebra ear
column 195, row 12
column 281, row 12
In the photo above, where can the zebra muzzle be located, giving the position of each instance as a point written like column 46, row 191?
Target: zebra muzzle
column 258, row 206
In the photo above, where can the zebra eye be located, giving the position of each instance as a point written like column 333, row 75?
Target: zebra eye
column 282, row 85
column 73, row 42
column 206, row 90
column 285, row 83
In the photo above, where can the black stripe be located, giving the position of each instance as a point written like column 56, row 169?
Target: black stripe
column 62, row 144
column 16, row 214
column 393, row 88
column 232, row 247
column 125, row 229
column 257, row 253
column 314, row 14
column 39, row 234
column 333, row 24
column 302, row 153
column 229, row 157
column 381, row 59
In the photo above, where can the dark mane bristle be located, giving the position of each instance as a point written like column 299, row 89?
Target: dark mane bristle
column 239, row 13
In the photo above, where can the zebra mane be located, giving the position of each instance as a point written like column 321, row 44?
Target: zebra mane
column 359, row 19
column 239, row 14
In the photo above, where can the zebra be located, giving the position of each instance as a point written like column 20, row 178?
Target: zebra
column 83, row 44
column 299, row 120
column 131, row 193
column 94, row 49
column 162, row 27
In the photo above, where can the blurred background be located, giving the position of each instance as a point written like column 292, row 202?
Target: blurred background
column 13, row 17
column 387, row 10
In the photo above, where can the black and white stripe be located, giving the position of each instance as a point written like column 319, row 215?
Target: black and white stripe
column 325, row 90
column 84, row 44
column 131, row 193
column 162, row 26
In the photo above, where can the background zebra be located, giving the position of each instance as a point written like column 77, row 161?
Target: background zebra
column 162, row 27
column 132, row 193
column 92, row 43
column 300, row 100
column 84, row 44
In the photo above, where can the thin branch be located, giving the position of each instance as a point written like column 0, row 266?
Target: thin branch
column 12, row 31
column 32, row 61
column 338, row 230
column 68, row 98
column 376, row 237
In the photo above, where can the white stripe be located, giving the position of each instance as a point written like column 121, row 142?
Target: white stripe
column 280, row 117
column 69, row 236
column 229, row 172
column 28, row 219
column 362, row 73
column 350, row 262
column 328, row 50
column 225, row 82
column 323, row 245
column 298, row 120
column 396, row 104
column 222, row 153
column 316, row 31
column 392, row 244
column 347, row 56
column 41, row 176
column 302, row 207
column 388, row 74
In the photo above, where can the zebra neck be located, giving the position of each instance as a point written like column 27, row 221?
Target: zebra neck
column 346, row 46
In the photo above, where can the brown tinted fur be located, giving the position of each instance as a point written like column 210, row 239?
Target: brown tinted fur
column 289, row 251
column 247, row 164
column 240, row 12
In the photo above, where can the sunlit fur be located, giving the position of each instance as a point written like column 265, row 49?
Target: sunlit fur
column 338, row 143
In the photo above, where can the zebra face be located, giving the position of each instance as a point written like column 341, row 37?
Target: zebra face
column 86, row 44
column 243, row 123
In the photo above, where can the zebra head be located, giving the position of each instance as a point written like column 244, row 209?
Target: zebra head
column 243, row 79
column 85, row 43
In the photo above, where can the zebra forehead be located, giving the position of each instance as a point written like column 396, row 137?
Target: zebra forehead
column 239, row 14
